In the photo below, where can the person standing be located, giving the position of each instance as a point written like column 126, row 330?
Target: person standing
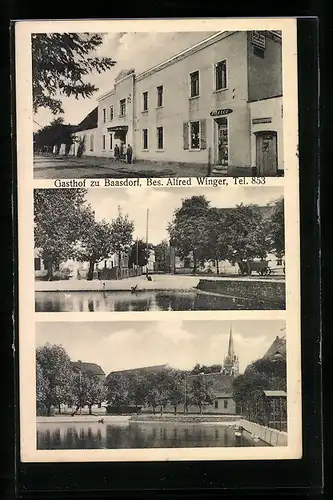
column 129, row 153
column 116, row 152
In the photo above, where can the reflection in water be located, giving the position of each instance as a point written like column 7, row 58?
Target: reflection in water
column 138, row 435
column 142, row 301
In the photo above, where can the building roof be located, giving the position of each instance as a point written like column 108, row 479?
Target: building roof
column 275, row 394
column 221, row 384
column 143, row 370
column 89, row 122
column 277, row 347
column 88, row 367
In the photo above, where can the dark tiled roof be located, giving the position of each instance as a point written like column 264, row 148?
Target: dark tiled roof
column 88, row 367
column 221, row 384
column 89, row 122
column 144, row 369
column 277, row 347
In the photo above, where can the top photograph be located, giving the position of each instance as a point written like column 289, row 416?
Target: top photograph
column 148, row 104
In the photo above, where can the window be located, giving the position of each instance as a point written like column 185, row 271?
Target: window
column 194, row 135
column 221, row 75
column 122, row 111
column 225, row 404
column 145, row 101
column 194, row 84
column 279, row 262
column 37, row 264
column 145, row 138
column 216, row 404
column 92, row 142
column 159, row 137
column 110, row 142
column 104, row 115
column 103, row 142
column 160, row 96
column 111, row 113
column 258, row 51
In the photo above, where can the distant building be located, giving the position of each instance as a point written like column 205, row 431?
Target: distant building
column 218, row 102
column 84, row 367
column 278, row 348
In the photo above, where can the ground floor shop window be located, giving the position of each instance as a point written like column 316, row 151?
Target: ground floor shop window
column 225, row 404
column 145, row 138
column 103, row 142
column 194, row 135
column 160, row 138
column 111, row 142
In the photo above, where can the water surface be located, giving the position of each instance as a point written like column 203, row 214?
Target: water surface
column 60, row 436
column 142, row 301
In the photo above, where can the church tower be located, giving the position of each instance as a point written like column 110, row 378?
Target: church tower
column 231, row 362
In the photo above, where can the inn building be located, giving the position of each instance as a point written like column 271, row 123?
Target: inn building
column 218, row 103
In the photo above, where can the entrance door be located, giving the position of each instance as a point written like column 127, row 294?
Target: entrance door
column 266, row 153
column 222, row 142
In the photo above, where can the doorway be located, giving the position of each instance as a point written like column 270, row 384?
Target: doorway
column 222, row 142
column 266, row 153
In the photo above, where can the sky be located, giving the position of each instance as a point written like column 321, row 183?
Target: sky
column 162, row 202
column 139, row 51
column 119, row 345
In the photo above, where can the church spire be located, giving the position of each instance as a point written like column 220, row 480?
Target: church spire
column 231, row 350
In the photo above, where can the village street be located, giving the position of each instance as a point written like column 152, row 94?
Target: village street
column 57, row 167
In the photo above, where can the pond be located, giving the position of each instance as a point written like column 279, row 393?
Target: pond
column 87, row 435
column 142, row 301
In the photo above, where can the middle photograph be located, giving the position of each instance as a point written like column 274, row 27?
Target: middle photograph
column 159, row 249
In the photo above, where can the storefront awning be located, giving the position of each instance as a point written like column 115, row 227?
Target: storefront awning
column 118, row 128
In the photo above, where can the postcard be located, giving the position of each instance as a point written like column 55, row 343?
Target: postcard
column 158, row 228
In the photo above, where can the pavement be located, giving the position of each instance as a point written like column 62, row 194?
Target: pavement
column 57, row 167
column 159, row 282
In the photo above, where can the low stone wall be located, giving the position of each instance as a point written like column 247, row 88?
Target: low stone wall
column 185, row 418
column 267, row 434
column 269, row 290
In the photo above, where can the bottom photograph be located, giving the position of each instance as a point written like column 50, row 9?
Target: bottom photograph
column 168, row 384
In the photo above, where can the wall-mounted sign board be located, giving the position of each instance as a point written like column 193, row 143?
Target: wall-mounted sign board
column 258, row 39
column 221, row 112
column 256, row 121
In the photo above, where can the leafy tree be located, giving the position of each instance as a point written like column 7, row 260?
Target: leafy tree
column 162, row 256
column 245, row 234
column 42, row 387
column 159, row 384
column 88, row 390
column 200, row 392
column 57, row 217
column 205, row 369
column 95, row 241
column 121, row 235
column 54, row 134
column 138, row 388
column 189, row 229
column 60, row 64
column 138, row 254
column 177, row 388
column 118, row 390
column 276, row 228
column 216, row 245
column 56, row 369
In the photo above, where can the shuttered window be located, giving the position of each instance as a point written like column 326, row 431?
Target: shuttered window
column 185, row 135
column 203, row 140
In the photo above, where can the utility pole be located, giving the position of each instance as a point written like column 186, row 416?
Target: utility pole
column 147, row 242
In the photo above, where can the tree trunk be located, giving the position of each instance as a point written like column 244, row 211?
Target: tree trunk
column 90, row 273
column 154, row 410
column 76, row 410
column 161, row 410
column 217, row 267
column 194, row 264
column 175, row 408
column 119, row 265
column 89, row 406
column 48, row 410
column 136, row 409
column 59, row 408
column 200, row 408
column 248, row 267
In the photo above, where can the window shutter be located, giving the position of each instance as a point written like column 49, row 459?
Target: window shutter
column 185, row 135
column 203, row 141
